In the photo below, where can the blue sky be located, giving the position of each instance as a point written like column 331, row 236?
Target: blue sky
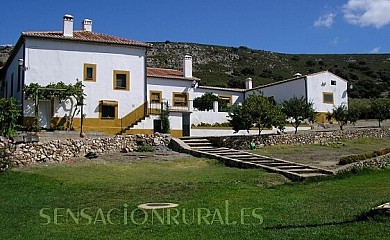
column 287, row 26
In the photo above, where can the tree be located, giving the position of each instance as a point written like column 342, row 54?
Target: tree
column 298, row 109
column 205, row 102
column 9, row 114
column 380, row 108
column 340, row 114
column 257, row 111
column 60, row 90
column 164, row 117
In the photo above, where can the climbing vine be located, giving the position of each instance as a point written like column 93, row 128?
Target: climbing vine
column 60, row 90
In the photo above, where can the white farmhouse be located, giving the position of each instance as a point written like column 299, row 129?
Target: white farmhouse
column 112, row 69
column 324, row 89
column 123, row 95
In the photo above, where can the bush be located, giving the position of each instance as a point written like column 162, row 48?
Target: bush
column 145, row 148
column 360, row 157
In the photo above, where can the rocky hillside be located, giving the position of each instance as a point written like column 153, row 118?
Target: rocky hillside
column 222, row 66
column 4, row 53
column 369, row 74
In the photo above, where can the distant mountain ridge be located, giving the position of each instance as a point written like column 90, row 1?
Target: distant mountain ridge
column 222, row 66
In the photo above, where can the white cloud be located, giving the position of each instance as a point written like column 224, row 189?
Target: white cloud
column 364, row 13
column 326, row 20
column 335, row 41
column 375, row 50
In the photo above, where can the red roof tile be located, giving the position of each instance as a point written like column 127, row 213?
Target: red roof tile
column 85, row 36
column 167, row 73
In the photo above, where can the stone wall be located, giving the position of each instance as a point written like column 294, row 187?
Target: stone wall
column 65, row 149
column 243, row 142
column 373, row 163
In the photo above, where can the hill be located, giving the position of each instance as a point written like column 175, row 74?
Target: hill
column 222, row 66
column 369, row 74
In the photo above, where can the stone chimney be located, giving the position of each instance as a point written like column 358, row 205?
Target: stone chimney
column 68, row 26
column 187, row 66
column 248, row 83
column 86, row 25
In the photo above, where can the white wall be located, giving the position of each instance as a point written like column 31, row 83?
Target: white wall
column 52, row 61
column 283, row 91
column 321, row 82
column 14, row 69
column 168, row 86
column 175, row 120
column 236, row 96
column 210, row 117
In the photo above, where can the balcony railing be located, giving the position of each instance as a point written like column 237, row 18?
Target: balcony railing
column 154, row 108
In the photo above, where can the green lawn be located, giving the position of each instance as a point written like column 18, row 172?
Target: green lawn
column 326, row 156
column 38, row 203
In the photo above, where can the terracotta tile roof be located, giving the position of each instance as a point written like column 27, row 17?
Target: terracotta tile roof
column 167, row 73
column 223, row 88
column 84, row 36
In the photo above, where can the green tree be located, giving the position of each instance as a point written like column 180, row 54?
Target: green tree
column 9, row 114
column 340, row 114
column 205, row 102
column 60, row 90
column 298, row 109
column 257, row 111
column 164, row 117
column 380, row 108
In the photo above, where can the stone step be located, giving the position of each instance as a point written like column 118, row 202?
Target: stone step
column 305, row 170
column 257, row 159
column 242, row 158
column 195, row 140
column 288, row 167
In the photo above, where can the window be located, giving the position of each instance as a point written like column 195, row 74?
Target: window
column 12, row 85
column 121, row 80
column 90, row 72
column 108, row 109
column 328, row 98
column 180, row 99
column 155, row 96
column 333, row 82
column 224, row 102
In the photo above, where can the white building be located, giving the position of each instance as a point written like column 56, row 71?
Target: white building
column 112, row 69
column 122, row 94
column 324, row 89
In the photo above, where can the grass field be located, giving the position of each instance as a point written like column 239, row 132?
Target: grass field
column 217, row 202
column 326, row 156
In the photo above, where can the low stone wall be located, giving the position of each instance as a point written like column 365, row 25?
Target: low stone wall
column 373, row 163
column 243, row 142
column 65, row 149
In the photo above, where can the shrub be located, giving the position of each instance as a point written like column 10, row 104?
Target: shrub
column 145, row 148
column 360, row 157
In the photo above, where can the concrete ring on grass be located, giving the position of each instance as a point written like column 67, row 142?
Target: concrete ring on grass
column 151, row 206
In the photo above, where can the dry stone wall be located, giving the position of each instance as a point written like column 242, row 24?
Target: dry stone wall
column 65, row 149
column 243, row 142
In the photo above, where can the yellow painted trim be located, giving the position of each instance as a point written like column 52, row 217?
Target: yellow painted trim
column 179, row 93
column 93, row 66
column 151, row 92
column 323, row 97
column 176, row 133
column 127, row 73
column 101, row 103
column 225, row 97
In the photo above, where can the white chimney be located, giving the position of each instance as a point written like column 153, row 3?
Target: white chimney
column 86, row 25
column 248, row 83
column 187, row 66
column 68, row 26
